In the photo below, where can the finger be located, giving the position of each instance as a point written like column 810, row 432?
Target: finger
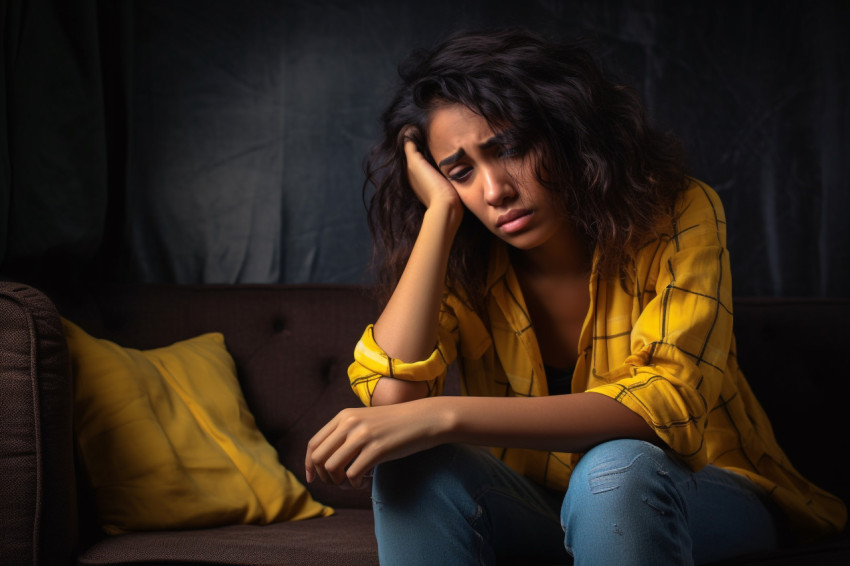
column 408, row 132
column 328, row 474
column 325, row 431
column 340, row 447
column 410, row 150
column 363, row 466
column 317, row 439
column 354, row 475
column 309, row 466
column 315, row 470
column 320, row 447
column 348, row 440
column 339, row 463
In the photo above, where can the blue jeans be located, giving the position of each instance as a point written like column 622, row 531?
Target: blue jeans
column 628, row 503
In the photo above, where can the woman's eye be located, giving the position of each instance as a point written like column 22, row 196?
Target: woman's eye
column 460, row 174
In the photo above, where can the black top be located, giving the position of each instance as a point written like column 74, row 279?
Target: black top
column 559, row 379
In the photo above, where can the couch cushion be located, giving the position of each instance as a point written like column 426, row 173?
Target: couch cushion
column 345, row 539
column 168, row 441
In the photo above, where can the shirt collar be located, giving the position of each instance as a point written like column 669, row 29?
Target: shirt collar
column 499, row 263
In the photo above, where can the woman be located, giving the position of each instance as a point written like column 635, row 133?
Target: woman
column 536, row 230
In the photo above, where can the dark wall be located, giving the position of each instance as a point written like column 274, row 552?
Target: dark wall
column 232, row 133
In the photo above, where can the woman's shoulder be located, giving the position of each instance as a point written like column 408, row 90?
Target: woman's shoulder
column 700, row 199
column 698, row 219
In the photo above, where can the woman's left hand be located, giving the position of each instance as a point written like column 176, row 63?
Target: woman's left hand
column 358, row 439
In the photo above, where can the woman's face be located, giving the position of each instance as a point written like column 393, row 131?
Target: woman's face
column 497, row 186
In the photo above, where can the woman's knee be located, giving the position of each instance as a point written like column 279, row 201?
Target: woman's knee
column 623, row 501
column 627, row 469
column 446, row 474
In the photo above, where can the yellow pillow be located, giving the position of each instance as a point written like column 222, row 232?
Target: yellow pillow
column 168, row 441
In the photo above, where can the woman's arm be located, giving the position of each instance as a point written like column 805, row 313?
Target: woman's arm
column 407, row 327
column 356, row 440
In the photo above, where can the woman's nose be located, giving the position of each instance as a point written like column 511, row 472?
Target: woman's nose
column 498, row 186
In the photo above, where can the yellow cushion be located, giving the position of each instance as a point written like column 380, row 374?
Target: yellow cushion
column 168, row 441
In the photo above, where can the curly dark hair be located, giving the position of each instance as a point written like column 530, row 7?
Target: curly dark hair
column 614, row 173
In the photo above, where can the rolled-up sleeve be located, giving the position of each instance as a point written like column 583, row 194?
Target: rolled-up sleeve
column 371, row 363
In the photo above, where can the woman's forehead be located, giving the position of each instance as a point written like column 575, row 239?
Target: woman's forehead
column 451, row 127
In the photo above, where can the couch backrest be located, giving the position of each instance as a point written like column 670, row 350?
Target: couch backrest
column 794, row 354
column 291, row 344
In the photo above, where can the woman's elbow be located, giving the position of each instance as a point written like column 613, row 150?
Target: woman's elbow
column 390, row 391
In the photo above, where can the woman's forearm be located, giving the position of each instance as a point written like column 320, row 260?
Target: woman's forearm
column 358, row 439
column 562, row 423
column 407, row 328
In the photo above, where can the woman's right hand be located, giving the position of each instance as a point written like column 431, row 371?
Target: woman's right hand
column 431, row 187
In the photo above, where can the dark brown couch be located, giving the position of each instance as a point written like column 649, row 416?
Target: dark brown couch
column 292, row 345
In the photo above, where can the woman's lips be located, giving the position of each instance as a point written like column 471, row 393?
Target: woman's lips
column 513, row 220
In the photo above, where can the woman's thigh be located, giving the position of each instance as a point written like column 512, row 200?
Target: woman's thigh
column 630, row 500
column 457, row 504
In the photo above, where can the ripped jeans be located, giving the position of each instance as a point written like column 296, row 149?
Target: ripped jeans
column 628, row 503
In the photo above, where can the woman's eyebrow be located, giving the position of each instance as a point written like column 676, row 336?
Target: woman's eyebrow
column 453, row 158
column 458, row 155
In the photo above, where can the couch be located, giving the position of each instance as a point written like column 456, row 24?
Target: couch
column 291, row 346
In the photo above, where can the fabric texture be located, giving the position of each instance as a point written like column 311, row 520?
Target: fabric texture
column 660, row 512
column 168, row 441
column 480, row 511
column 629, row 502
column 38, row 503
column 659, row 341
column 345, row 539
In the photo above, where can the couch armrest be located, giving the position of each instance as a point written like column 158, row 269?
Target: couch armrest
column 38, row 509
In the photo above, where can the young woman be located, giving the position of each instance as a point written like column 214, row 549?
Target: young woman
column 534, row 229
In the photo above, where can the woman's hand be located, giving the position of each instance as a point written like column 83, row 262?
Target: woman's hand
column 430, row 186
column 358, row 439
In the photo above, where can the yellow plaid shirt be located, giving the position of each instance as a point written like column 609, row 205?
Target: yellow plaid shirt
column 660, row 342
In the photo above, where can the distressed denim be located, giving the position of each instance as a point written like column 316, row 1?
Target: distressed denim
column 628, row 503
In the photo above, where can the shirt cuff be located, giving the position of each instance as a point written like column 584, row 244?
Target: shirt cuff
column 368, row 354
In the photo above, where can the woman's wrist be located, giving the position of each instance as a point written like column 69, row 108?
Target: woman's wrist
column 447, row 212
column 442, row 411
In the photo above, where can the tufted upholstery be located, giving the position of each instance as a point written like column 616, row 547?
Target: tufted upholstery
column 292, row 345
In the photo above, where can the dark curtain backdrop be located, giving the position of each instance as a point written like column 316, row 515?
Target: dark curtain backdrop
column 221, row 141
